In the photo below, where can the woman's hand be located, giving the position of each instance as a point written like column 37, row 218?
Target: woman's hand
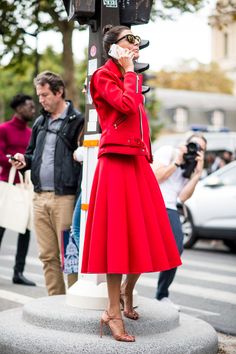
column 126, row 60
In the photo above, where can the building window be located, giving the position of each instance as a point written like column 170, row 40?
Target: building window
column 218, row 119
column 226, row 45
column 181, row 119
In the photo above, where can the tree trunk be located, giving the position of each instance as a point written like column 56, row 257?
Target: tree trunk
column 68, row 63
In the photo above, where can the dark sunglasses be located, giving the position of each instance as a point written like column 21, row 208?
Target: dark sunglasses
column 130, row 38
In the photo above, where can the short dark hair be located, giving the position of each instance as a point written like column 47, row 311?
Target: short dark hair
column 110, row 36
column 19, row 99
column 54, row 81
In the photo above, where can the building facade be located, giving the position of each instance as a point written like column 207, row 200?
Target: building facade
column 181, row 110
column 223, row 24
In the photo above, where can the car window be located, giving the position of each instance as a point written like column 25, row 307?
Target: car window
column 229, row 177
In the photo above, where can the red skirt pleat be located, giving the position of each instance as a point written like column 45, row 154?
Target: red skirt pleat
column 127, row 230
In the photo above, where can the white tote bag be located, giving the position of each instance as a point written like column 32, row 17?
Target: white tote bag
column 30, row 188
column 14, row 204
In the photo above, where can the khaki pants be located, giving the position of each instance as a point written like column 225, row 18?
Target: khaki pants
column 52, row 214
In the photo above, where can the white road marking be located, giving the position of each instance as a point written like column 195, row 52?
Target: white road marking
column 205, row 265
column 217, row 278
column 194, row 309
column 29, row 260
column 27, row 274
column 15, row 297
column 39, row 284
column 194, row 290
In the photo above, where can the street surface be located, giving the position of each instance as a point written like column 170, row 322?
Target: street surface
column 205, row 285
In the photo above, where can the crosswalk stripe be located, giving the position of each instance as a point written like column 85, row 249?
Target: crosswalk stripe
column 206, row 293
column 194, row 309
column 194, row 290
column 214, row 266
column 15, row 297
column 30, row 274
column 5, row 277
column 29, row 260
column 217, row 278
column 200, row 275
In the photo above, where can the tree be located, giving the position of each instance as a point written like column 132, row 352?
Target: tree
column 23, row 18
column 206, row 78
column 15, row 81
column 170, row 8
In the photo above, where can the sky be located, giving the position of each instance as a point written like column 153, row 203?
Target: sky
column 171, row 42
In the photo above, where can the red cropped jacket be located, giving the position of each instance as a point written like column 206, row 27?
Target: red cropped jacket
column 119, row 103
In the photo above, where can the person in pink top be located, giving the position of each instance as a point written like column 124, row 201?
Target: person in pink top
column 14, row 137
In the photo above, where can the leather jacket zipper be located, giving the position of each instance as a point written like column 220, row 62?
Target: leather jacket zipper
column 141, row 122
column 118, row 122
column 139, row 108
column 137, row 82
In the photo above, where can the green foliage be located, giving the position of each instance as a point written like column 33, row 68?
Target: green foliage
column 152, row 106
column 205, row 78
column 24, row 19
column 183, row 6
column 15, row 80
column 168, row 9
column 80, row 76
column 51, row 61
column 21, row 19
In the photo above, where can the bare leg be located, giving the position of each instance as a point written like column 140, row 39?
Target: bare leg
column 113, row 287
column 112, row 317
column 127, row 295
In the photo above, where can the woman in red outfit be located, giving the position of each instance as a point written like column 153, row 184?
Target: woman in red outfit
column 128, row 230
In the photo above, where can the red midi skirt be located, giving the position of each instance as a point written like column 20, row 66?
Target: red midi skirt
column 128, row 229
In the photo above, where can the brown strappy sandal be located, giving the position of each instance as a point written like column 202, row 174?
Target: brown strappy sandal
column 132, row 314
column 124, row 337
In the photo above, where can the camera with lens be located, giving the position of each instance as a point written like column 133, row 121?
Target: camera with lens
column 190, row 159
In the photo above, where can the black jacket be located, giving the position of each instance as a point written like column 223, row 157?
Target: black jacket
column 67, row 172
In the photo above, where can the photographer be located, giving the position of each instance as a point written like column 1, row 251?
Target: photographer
column 178, row 172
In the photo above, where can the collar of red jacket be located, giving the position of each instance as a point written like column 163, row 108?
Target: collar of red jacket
column 113, row 67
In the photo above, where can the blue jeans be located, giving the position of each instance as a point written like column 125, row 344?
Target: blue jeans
column 75, row 227
column 167, row 277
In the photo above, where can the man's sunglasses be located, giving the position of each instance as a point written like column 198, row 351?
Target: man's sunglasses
column 130, row 38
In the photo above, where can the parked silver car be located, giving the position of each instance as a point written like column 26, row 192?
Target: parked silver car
column 211, row 212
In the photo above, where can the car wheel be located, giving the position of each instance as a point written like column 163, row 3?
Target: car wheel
column 231, row 244
column 190, row 237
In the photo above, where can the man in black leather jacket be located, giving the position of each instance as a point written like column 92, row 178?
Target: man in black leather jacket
column 54, row 173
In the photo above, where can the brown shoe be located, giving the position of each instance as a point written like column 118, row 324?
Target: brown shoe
column 123, row 336
column 132, row 314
